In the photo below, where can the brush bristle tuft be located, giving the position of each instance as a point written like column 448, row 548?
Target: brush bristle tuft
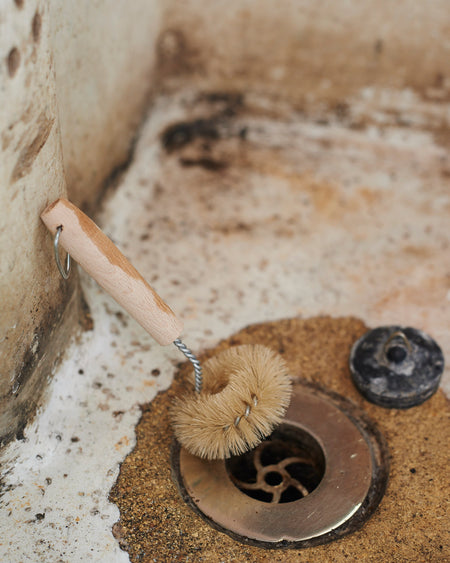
column 246, row 391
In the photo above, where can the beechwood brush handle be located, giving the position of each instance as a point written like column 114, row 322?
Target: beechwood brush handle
column 102, row 260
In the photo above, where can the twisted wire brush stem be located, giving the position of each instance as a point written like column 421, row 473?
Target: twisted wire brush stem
column 193, row 359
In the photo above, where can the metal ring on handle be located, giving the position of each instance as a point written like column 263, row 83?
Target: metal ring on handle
column 64, row 273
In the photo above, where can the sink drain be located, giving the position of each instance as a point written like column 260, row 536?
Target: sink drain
column 319, row 476
column 284, row 468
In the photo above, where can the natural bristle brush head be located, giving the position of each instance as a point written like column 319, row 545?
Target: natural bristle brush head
column 246, row 391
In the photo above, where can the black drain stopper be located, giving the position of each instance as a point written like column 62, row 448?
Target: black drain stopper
column 396, row 367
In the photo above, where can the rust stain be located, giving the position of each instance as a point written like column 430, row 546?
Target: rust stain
column 419, row 251
column 36, row 26
column 13, row 61
column 124, row 441
column 326, row 199
column 6, row 140
column 30, row 152
column 429, row 294
column 369, row 196
column 324, row 196
column 28, row 114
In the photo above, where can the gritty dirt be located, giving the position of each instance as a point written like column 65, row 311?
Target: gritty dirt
column 409, row 524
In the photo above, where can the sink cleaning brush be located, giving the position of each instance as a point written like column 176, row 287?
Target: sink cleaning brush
column 245, row 394
column 239, row 396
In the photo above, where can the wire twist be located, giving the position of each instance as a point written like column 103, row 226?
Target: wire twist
column 193, row 359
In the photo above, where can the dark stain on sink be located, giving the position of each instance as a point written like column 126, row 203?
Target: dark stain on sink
column 181, row 134
column 206, row 163
column 221, row 108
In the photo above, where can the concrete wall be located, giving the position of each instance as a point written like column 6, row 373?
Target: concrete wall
column 104, row 55
column 31, row 174
column 74, row 83
column 77, row 77
column 309, row 52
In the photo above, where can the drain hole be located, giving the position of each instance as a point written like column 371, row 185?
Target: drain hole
column 275, row 452
column 284, row 468
column 259, row 495
column 273, row 478
column 305, row 474
column 243, row 470
column 291, row 494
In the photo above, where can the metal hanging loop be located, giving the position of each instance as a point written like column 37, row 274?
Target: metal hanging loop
column 65, row 273
column 401, row 336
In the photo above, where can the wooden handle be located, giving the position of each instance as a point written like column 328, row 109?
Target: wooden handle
column 101, row 259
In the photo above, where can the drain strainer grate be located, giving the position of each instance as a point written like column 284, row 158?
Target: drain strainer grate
column 285, row 468
column 319, row 476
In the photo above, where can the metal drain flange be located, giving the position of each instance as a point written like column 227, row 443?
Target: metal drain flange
column 319, row 476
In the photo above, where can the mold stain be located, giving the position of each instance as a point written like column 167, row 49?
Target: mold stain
column 182, row 134
column 176, row 55
column 26, row 394
column 13, row 61
column 204, row 162
column 30, row 152
column 36, row 26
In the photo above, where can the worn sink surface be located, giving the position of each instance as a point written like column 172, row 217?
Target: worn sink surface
column 237, row 211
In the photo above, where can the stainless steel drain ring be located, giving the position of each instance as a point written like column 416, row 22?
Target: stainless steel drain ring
column 352, row 486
